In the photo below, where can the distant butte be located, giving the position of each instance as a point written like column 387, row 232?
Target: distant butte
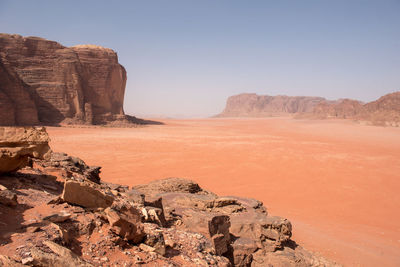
column 44, row 82
column 383, row 112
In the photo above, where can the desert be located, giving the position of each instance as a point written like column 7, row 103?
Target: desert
column 199, row 133
column 330, row 178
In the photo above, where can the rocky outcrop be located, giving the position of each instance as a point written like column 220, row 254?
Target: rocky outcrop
column 384, row 112
column 18, row 145
column 236, row 227
column 44, row 82
column 64, row 217
column 342, row 109
column 253, row 105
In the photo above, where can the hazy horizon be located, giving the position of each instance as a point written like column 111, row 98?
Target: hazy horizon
column 185, row 58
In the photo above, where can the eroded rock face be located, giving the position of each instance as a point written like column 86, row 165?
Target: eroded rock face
column 253, row 105
column 18, row 144
column 42, row 81
column 382, row 112
column 237, row 228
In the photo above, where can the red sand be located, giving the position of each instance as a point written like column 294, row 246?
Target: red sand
column 337, row 181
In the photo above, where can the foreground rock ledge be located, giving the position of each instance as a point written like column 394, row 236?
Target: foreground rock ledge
column 66, row 216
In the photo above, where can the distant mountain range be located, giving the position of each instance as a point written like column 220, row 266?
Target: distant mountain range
column 385, row 111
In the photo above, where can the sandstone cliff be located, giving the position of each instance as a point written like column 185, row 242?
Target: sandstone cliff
column 44, row 82
column 385, row 111
column 252, row 105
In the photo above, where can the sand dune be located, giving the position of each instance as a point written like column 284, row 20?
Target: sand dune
column 337, row 181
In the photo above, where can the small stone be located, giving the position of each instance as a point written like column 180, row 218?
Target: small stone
column 50, row 187
column 27, row 261
column 8, row 198
column 57, row 217
column 138, row 260
column 146, row 248
column 33, row 229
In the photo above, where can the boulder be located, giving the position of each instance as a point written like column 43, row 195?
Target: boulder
column 86, row 195
column 70, row 165
column 6, row 261
column 156, row 241
column 8, row 198
column 62, row 257
column 126, row 223
column 18, row 144
column 169, row 185
column 269, row 232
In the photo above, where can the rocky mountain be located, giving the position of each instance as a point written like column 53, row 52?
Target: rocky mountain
column 44, row 82
column 56, row 211
column 253, row 105
column 385, row 111
column 342, row 108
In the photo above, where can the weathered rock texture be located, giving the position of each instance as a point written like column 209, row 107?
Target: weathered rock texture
column 385, row 111
column 18, row 144
column 64, row 217
column 253, row 105
column 44, row 82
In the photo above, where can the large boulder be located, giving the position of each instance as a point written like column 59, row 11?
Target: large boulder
column 18, row 144
column 60, row 257
column 86, row 194
column 125, row 221
column 169, row 185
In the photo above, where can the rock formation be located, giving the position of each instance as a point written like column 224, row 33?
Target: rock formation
column 44, row 82
column 385, row 111
column 18, row 145
column 342, row 109
column 252, row 105
column 57, row 212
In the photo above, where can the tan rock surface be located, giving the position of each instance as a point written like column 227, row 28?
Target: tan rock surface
column 42, row 81
column 85, row 195
column 383, row 112
column 253, row 105
column 19, row 144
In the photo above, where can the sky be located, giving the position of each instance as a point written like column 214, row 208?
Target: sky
column 185, row 58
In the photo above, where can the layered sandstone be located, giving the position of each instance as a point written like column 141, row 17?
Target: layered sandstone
column 253, row 105
column 44, row 82
column 19, row 144
column 385, row 111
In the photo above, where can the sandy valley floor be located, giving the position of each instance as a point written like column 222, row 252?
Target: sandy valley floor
column 337, row 181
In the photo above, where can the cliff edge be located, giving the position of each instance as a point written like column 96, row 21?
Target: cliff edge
column 44, row 82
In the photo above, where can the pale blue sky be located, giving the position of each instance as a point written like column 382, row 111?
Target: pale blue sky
column 184, row 58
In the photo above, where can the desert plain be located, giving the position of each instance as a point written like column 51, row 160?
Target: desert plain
column 337, row 181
